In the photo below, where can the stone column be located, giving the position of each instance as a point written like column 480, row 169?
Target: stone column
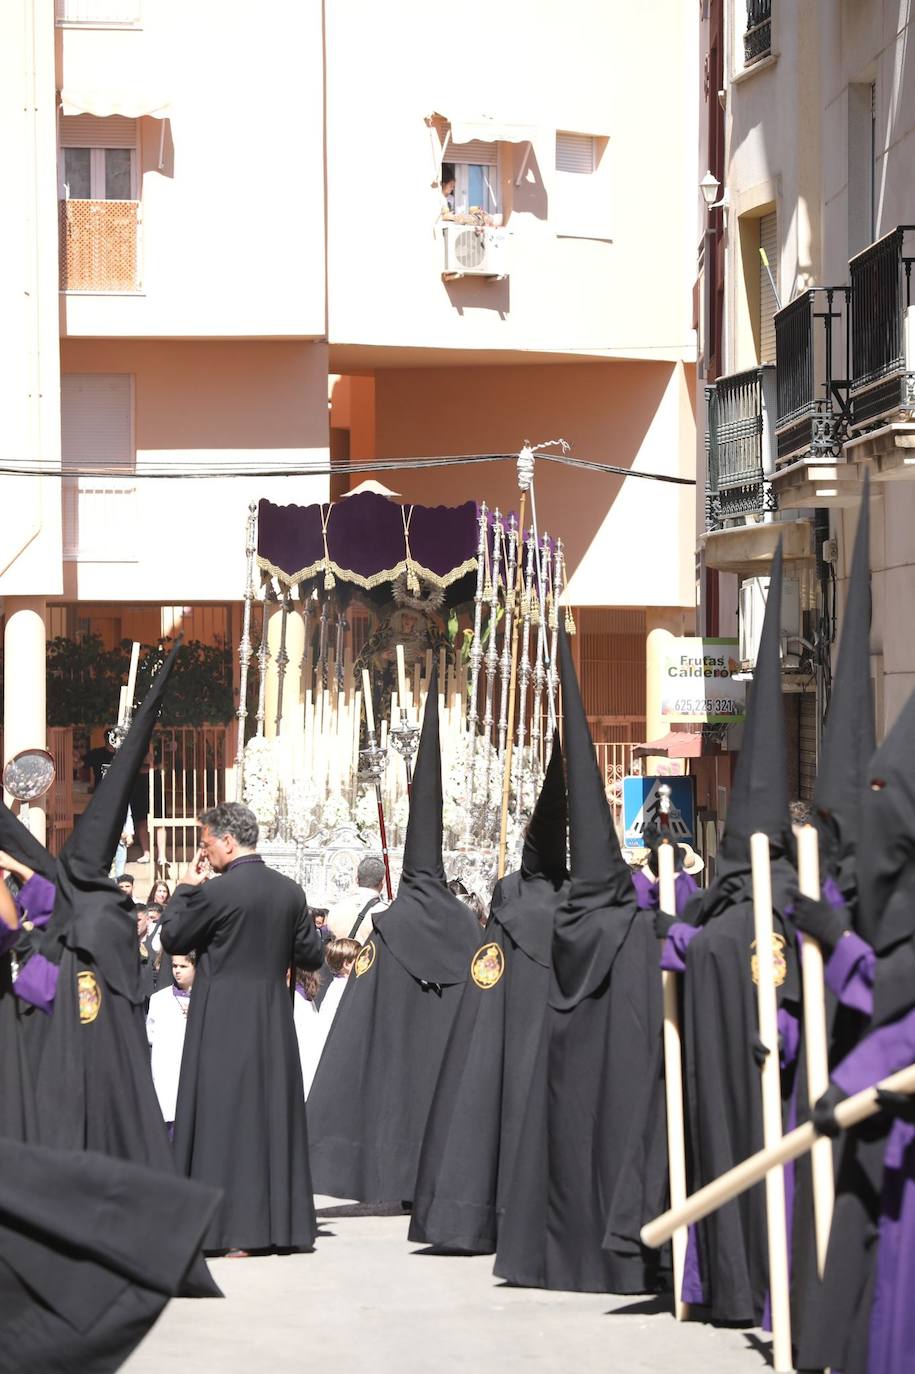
column 24, row 702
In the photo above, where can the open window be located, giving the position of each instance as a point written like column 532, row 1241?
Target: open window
column 98, row 180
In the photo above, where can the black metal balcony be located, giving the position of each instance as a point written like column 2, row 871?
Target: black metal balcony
column 757, row 40
column 738, row 448
column 811, row 372
column 882, row 380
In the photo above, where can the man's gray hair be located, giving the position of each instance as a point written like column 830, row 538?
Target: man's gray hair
column 370, row 872
column 231, row 818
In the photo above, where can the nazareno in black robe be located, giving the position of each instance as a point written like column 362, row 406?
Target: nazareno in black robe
column 477, row 1112
column 720, row 1020
column 884, row 828
column 240, row 1118
column 373, row 1088
column 90, row 1057
column 91, row 1250
column 17, row 1087
column 597, row 1057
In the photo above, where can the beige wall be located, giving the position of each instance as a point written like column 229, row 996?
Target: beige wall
column 629, row 542
column 570, row 67
column 233, row 225
column 197, row 404
column 30, row 429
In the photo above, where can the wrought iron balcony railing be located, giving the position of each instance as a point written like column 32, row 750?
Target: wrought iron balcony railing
column 882, row 357
column 740, row 447
column 757, row 40
column 98, row 245
column 811, row 372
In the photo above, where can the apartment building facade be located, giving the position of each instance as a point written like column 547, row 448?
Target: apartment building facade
column 807, row 154
column 227, row 263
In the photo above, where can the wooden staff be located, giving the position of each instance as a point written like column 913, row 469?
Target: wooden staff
column 132, row 680
column 776, row 1223
column 673, row 1082
column 816, row 1041
column 753, row 1170
column 512, row 686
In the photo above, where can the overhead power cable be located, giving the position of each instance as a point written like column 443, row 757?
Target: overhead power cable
column 37, row 468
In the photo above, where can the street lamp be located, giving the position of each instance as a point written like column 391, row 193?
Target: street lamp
column 709, row 188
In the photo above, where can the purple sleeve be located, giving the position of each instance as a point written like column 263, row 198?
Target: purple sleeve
column 37, row 983
column 673, row 955
column 882, row 1052
column 790, row 1031
column 686, row 888
column 36, row 899
column 850, row 973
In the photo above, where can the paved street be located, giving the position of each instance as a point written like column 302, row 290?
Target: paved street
column 368, row 1301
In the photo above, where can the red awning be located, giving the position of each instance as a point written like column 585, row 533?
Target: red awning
column 676, row 744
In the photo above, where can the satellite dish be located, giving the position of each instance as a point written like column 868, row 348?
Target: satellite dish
column 29, row 775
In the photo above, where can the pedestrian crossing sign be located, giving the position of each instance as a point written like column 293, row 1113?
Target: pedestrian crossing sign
column 645, row 803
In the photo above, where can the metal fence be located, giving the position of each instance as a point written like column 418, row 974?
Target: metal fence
column 757, row 39
column 880, row 296
column 188, row 775
column 811, row 373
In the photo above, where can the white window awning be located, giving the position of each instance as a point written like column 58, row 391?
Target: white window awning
column 131, row 103
column 486, row 128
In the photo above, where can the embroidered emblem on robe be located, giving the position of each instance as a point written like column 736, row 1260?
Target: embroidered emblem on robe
column 90, row 997
column 365, row 959
column 778, row 959
column 488, row 966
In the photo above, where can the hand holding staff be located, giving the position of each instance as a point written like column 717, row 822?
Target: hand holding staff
column 856, row 1108
column 673, row 1083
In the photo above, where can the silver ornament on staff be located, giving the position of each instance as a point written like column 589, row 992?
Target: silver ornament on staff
column 372, row 762
column 524, row 667
column 476, row 647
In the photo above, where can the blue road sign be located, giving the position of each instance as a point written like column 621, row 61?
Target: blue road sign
column 642, row 805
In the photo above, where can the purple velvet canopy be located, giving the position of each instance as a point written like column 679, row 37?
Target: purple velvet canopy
column 368, row 540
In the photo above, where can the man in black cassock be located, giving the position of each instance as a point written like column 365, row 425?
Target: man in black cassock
column 582, row 1153
column 240, row 1119
column 371, row 1094
column 478, row 1110
column 91, row 1250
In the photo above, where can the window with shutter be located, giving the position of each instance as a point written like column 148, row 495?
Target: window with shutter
column 476, row 179
column 97, row 464
column 768, row 242
column 581, row 193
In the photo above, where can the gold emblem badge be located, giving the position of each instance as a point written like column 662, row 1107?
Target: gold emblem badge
column 90, row 997
column 365, row 959
column 778, row 959
column 488, row 966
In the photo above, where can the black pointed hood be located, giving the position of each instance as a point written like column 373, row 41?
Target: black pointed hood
column 422, row 851
column 601, row 905
column 759, row 796
column 545, row 852
column 427, row 928
column 86, row 856
column 91, row 914
column 525, row 902
column 848, row 739
column 24, row 846
column 886, row 849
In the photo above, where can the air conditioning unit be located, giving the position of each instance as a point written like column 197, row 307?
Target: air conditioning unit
column 473, row 251
column 751, row 609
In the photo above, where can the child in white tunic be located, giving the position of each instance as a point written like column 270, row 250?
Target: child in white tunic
column 166, row 1023
column 314, row 1012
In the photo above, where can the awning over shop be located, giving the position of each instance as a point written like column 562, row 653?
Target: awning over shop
column 131, row 102
column 676, row 744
